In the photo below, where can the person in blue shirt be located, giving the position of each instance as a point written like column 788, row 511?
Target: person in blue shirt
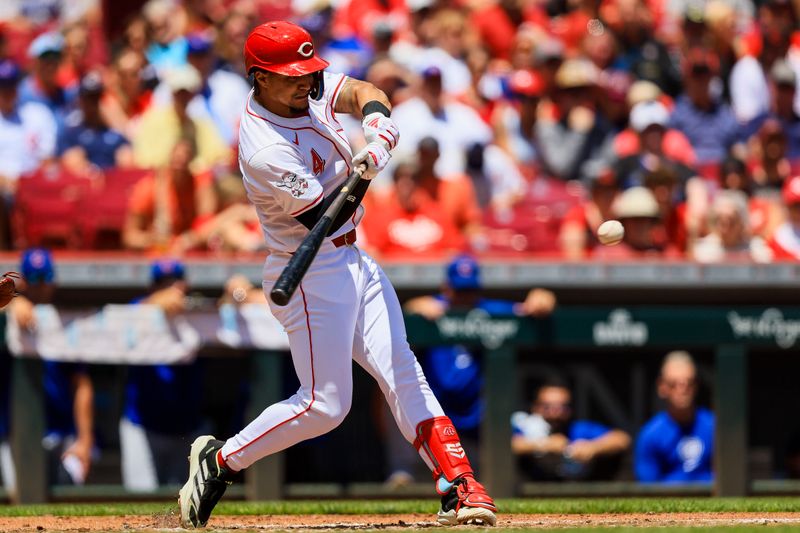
column 87, row 142
column 454, row 372
column 707, row 122
column 677, row 444
column 162, row 410
column 68, row 390
column 552, row 445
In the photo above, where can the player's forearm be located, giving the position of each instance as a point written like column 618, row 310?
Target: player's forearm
column 356, row 94
column 613, row 442
column 83, row 409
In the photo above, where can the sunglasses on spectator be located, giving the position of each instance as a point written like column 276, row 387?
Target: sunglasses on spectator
column 675, row 383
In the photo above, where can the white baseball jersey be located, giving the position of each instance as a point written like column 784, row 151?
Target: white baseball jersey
column 290, row 164
column 344, row 309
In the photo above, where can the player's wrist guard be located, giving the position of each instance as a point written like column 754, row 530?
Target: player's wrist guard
column 438, row 443
column 374, row 106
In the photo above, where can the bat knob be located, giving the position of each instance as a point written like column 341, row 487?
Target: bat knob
column 280, row 296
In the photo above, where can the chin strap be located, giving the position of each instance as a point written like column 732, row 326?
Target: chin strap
column 439, row 446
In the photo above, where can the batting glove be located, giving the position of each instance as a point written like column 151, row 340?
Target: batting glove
column 380, row 128
column 375, row 156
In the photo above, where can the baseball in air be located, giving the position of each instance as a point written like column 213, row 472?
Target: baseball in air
column 610, row 232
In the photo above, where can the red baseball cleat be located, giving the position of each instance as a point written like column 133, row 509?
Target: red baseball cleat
column 467, row 503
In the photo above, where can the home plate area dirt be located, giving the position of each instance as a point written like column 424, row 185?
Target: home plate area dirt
column 316, row 523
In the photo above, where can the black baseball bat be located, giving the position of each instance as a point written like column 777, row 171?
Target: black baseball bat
column 298, row 265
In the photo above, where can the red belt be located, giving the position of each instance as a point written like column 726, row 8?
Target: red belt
column 347, row 238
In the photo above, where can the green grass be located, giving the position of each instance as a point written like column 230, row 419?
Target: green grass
column 348, row 507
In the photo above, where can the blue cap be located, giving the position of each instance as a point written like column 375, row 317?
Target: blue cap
column 199, row 43
column 10, row 73
column 166, row 268
column 51, row 42
column 464, row 273
column 432, row 71
column 37, row 266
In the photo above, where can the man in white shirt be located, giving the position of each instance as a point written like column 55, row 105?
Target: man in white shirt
column 27, row 131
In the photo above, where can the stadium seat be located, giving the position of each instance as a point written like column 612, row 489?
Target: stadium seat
column 46, row 208
column 103, row 209
column 534, row 223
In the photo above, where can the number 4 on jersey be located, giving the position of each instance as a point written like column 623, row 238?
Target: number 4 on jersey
column 318, row 164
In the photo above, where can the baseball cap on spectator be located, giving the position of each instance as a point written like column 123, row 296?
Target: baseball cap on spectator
column 791, row 191
column 51, row 43
column 643, row 91
column 91, row 84
column 525, row 82
column 199, row 43
column 183, row 78
column 646, row 114
column 574, row 73
column 10, row 73
column 636, row 202
column 431, row 71
column 463, row 273
column 37, row 266
column 164, row 269
column 782, row 73
column 549, row 50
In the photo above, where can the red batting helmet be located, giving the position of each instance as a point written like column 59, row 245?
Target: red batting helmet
column 283, row 48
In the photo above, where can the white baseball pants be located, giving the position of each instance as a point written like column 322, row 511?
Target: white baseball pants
column 345, row 309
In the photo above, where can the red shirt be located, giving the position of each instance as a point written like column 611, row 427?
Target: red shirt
column 390, row 229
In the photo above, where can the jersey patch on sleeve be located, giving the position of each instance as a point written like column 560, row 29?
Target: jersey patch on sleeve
column 295, row 185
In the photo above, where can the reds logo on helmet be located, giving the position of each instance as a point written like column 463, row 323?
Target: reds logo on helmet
column 283, row 48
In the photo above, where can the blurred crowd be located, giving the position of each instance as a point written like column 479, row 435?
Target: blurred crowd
column 525, row 124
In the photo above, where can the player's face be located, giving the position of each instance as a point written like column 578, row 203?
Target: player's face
column 285, row 95
column 678, row 385
column 554, row 404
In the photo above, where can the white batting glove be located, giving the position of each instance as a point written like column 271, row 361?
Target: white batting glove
column 375, row 156
column 380, row 128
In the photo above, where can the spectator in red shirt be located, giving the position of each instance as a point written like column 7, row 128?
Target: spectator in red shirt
column 497, row 23
column 408, row 221
column 165, row 206
column 454, row 193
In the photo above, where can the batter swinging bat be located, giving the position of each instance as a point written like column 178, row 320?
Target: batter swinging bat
column 298, row 265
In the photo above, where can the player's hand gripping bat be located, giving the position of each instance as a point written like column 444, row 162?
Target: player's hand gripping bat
column 298, row 265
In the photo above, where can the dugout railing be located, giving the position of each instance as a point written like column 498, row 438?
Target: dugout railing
column 728, row 331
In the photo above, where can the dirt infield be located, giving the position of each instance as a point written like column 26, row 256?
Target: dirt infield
column 316, row 523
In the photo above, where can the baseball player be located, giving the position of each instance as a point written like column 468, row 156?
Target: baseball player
column 294, row 159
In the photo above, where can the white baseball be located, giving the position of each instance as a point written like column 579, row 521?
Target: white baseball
column 610, row 232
